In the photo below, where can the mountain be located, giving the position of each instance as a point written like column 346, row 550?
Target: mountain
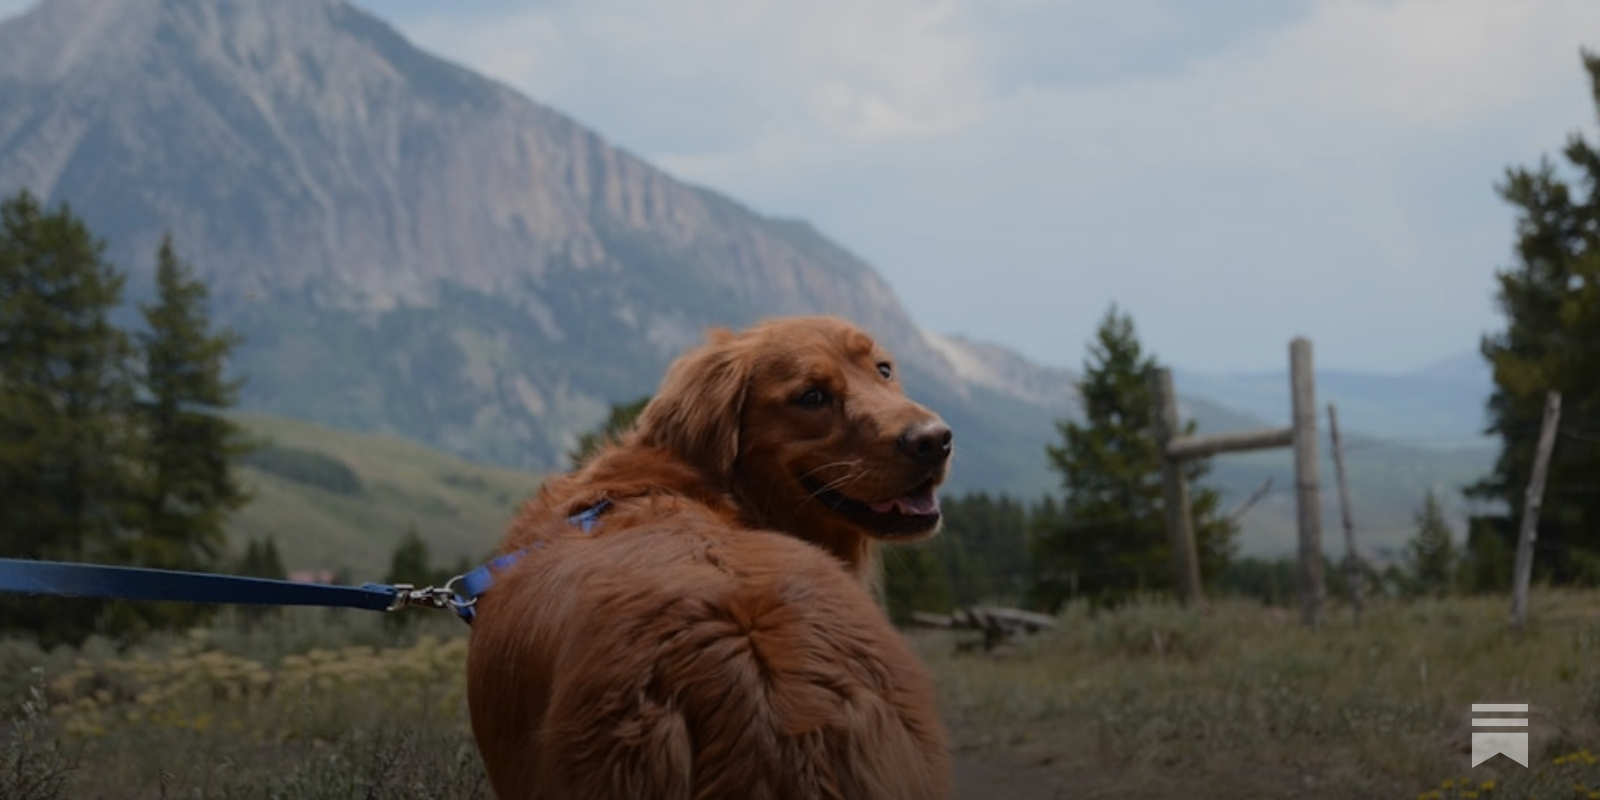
column 411, row 248
column 1438, row 406
column 1468, row 370
column 333, row 499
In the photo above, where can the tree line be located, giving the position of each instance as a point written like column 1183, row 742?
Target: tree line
column 1099, row 539
column 112, row 447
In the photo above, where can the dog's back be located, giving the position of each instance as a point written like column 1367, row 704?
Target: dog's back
column 685, row 660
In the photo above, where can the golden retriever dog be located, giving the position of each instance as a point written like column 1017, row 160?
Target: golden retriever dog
column 689, row 615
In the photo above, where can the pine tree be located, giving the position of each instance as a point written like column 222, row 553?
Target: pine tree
column 1431, row 554
column 190, row 485
column 66, row 459
column 1551, row 302
column 984, row 547
column 914, row 579
column 411, row 563
column 1111, row 541
column 260, row 560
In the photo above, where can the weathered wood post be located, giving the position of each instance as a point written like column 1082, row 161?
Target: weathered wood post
column 1352, row 560
column 1308, row 504
column 1177, row 449
column 1530, row 511
column 1175, row 490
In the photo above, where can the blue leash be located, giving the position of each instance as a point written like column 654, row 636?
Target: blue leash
column 138, row 583
column 61, row 579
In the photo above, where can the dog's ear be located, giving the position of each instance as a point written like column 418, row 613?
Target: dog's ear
column 696, row 412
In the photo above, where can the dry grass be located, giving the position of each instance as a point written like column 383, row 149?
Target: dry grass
column 1241, row 700
column 1149, row 701
column 230, row 715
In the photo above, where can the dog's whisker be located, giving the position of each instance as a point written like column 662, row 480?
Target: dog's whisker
column 850, row 463
column 843, row 480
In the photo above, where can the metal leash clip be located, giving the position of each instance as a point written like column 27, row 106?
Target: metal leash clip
column 407, row 595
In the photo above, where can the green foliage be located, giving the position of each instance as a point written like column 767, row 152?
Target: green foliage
column 617, row 422
column 914, row 579
column 1110, row 542
column 67, row 470
column 1551, row 302
column 980, row 557
column 260, row 560
column 1487, row 565
column 985, row 548
column 412, row 564
column 1431, row 554
column 1271, row 581
column 108, row 452
column 463, row 507
column 308, row 467
column 189, row 486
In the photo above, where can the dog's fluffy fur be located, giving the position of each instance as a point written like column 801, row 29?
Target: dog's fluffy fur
column 714, row 635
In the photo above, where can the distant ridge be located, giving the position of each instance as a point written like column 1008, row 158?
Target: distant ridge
column 412, row 248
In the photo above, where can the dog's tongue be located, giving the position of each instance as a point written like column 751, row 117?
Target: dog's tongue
column 922, row 503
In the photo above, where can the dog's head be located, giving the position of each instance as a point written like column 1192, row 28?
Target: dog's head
column 804, row 421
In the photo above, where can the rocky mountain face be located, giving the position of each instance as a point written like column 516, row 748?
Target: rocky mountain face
column 411, row 248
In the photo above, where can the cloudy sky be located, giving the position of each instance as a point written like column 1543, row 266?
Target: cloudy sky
column 1232, row 172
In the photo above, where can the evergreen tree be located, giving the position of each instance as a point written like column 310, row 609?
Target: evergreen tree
column 1487, row 565
column 189, row 484
column 261, row 560
column 1111, row 540
column 66, row 460
column 411, row 564
column 914, row 579
column 984, row 548
column 1551, row 302
column 1431, row 553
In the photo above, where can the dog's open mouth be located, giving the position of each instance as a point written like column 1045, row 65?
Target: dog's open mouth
column 914, row 512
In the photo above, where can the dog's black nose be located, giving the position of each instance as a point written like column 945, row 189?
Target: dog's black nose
column 927, row 441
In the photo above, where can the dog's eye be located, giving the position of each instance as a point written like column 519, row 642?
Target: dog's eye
column 885, row 370
column 813, row 398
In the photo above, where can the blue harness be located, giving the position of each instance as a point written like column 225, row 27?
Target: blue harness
column 473, row 584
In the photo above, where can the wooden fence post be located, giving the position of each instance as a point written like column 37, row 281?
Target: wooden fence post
column 1175, row 490
column 1352, row 561
column 1308, row 505
column 1530, row 511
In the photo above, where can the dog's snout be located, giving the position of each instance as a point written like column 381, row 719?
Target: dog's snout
column 927, row 441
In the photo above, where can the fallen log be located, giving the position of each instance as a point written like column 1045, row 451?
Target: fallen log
column 996, row 623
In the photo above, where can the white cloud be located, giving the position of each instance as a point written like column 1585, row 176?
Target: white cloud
column 1014, row 167
column 741, row 73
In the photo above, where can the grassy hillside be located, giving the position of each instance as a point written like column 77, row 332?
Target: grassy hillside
column 339, row 500
column 1387, row 485
column 335, row 499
